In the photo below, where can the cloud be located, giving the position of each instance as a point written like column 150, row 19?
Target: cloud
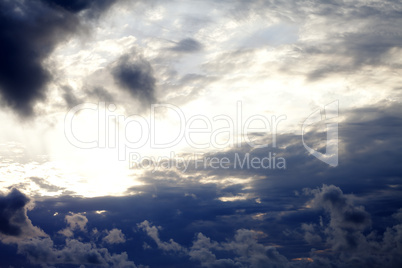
column 398, row 215
column 29, row 32
column 43, row 252
column 114, row 236
column 342, row 211
column 14, row 222
column 43, row 184
column 338, row 231
column 310, row 235
column 134, row 74
column 336, row 38
column 69, row 97
column 248, row 251
column 345, row 235
column 347, row 221
column 75, row 221
column 201, row 251
column 100, row 93
column 252, row 253
column 16, row 227
column 270, row 222
column 244, row 246
column 22, row 74
column 153, row 232
column 337, row 228
column 391, row 246
column 90, row 7
column 67, row 232
column 187, row 45
column 362, row 34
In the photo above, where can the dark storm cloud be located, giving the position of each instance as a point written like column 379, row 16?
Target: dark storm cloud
column 29, row 32
column 187, row 45
column 91, row 7
column 12, row 211
column 133, row 73
column 14, row 223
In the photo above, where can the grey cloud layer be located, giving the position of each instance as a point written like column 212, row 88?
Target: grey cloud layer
column 343, row 228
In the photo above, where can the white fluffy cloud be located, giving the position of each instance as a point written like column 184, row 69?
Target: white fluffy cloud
column 114, row 236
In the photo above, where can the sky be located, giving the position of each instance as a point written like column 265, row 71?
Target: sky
column 200, row 133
